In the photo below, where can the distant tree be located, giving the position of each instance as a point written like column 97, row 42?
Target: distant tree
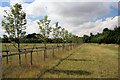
column 33, row 35
column 107, row 36
column 91, row 34
column 5, row 39
column 14, row 23
column 105, row 29
column 86, row 39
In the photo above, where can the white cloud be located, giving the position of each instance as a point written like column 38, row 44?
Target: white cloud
column 74, row 13
column 96, row 27
column 35, row 9
column 77, row 13
column 83, row 11
column 32, row 27
column 75, row 16
column 2, row 31
column 12, row 2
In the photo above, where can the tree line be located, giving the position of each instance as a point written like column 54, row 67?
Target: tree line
column 31, row 38
column 107, row 36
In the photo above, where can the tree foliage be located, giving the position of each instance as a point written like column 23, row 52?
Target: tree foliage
column 44, row 27
column 56, row 33
column 107, row 36
column 14, row 24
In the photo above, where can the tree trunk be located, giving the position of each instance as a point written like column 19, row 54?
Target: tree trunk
column 45, row 50
column 58, row 47
column 19, row 52
column 63, row 47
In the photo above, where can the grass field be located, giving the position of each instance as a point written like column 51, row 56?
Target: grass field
column 14, row 70
column 85, row 61
column 89, row 61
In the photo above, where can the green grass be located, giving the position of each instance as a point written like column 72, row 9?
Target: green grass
column 107, row 47
column 86, row 61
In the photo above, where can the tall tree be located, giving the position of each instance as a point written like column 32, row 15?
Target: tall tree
column 13, row 23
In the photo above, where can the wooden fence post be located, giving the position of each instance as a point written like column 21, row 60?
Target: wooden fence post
column 25, row 54
column 37, row 50
column 44, row 55
column 68, row 47
column 58, row 49
column 53, row 51
column 31, row 57
column 63, row 48
column 7, row 57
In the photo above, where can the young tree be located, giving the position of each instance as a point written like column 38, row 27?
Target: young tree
column 63, row 36
column 56, row 33
column 66, row 36
column 70, row 39
column 45, row 29
column 14, row 23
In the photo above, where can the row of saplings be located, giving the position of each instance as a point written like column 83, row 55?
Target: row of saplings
column 14, row 24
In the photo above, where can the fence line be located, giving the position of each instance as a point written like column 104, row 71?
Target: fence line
column 31, row 51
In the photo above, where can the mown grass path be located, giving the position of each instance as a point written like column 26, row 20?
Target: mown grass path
column 89, row 61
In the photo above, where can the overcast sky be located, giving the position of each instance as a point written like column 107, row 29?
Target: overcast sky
column 79, row 17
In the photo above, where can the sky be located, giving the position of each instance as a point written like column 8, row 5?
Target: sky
column 80, row 17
